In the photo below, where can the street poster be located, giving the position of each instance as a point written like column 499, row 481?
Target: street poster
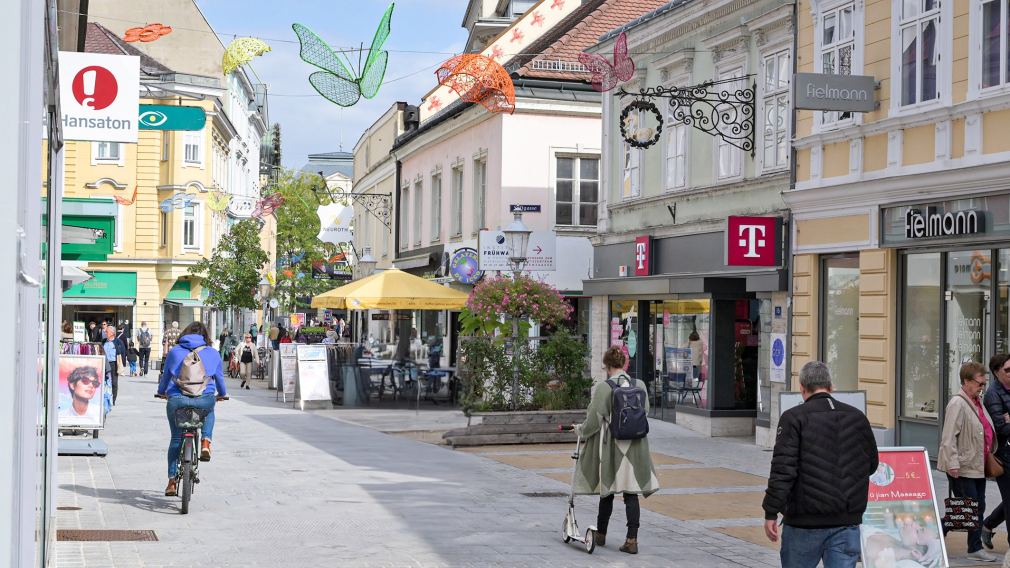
column 80, row 335
column 777, row 368
column 615, row 330
column 289, row 366
column 901, row 525
column 679, row 365
column 297, row 320
column 313, row 374
column 493, row 252
column 81, row 392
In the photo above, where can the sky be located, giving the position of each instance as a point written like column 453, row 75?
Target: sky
column 310, row 123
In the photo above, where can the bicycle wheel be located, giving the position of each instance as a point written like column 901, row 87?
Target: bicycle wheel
column 188, row 454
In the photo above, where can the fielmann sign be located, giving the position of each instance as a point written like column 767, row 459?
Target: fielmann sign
column 99, row 96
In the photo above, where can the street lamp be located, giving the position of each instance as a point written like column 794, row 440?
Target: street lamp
column 366, row 264
column 517, row 236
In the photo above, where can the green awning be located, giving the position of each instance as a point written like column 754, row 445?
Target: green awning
column 186, row 303
column 181, row 290
column 105, row 285
column 99, row 301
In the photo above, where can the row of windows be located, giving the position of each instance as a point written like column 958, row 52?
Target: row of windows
column 191, row 227
column 192, row 149
column 455, row 205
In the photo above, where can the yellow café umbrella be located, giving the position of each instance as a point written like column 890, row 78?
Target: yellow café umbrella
column 392, row 290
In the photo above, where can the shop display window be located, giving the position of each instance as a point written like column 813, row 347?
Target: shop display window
column 680, row 348
column 840, row 320
column 922, row 300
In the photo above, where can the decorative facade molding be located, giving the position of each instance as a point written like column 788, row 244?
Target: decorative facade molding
column 105, row 181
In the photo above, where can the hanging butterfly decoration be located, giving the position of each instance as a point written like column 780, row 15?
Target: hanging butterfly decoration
column 289, row 273
column 241, row 51
column 267, row 205
column 177, row 201
column 271, row 278
column 125, row 201
column 607, row 75
column 147, row 33
column 336, row 82
column 218, row 201
column 479, row 79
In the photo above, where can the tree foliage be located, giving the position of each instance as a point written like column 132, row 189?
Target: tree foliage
column 233, row 272
column 297, row 244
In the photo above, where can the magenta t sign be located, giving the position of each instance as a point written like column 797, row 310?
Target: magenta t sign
column 643, row 252
column 753, row 241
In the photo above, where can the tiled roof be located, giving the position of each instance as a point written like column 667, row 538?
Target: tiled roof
column 100, row 40
column 556, row 55
column 645, row 18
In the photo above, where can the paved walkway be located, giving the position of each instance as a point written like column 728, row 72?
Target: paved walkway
column 365, row 488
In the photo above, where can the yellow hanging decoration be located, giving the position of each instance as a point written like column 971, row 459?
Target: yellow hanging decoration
column 218, row 201
column 241, row 51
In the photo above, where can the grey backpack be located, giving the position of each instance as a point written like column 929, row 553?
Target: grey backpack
column 192, row 378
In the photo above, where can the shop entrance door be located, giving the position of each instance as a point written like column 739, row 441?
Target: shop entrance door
column 969, row 283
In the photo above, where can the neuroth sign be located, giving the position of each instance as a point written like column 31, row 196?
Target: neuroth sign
column 99, row 96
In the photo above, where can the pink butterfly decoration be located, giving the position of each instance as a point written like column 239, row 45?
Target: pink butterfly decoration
column 268, row 205
column 607, row 75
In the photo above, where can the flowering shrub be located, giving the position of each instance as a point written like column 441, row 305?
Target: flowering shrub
column 523, row 298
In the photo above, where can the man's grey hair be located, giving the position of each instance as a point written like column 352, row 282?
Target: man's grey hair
column 175, row 325
column 815, row 376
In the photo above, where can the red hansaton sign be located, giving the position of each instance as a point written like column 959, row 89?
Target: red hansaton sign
column 753, row 241
column 901, row 525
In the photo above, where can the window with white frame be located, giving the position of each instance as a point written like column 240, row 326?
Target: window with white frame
column 995, row 67
column 775, row 99
column 675, row 153
column 436, row 205
column 838, row 47
column 108, row 151
column 164, row 229
column 417, row 212
column 193, row 148
column 729, row 158
column 457, row 201
column 576, row 191
column 919, row 41
column 191, row 226
column 631, row 185
column 479, row 193
column 405, row 216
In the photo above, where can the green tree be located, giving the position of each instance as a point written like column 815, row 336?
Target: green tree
column 233, row 272
column 298, row 246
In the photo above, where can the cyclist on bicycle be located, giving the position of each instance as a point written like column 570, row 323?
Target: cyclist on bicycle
column 194, row 336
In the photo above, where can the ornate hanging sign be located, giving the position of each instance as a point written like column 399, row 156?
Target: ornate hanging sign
column 335, row 223
column 635, row 127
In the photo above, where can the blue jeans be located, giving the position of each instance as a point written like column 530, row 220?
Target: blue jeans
column 206, row 402
column 838, row 547
column 970, row 487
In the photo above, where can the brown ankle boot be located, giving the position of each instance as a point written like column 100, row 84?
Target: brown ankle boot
column 171, row 490
column 205, row 450
column 601, row 539
column 630, row 546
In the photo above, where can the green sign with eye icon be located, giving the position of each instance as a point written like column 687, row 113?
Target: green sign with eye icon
column 167, row 117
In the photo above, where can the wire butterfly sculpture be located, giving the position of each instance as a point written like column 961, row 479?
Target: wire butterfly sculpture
column 336, row 82
column 125, row 201
column 607, row 75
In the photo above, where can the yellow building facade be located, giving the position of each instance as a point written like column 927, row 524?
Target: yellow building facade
column 901, row 215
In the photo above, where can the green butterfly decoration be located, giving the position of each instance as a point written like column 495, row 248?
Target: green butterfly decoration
column 335, row 81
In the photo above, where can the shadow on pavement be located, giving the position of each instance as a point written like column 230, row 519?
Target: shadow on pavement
column 152, row 501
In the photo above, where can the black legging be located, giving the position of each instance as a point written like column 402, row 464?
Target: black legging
column 634, row 513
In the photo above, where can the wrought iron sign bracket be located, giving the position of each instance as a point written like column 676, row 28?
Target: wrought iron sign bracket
column 378, row 204
column 728, row 114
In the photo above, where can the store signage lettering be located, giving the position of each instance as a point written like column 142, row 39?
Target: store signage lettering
column 753, row 241
column 521, row 208
column 101, row 96
column 643, row 251
column 825, row 91
column 935, row 223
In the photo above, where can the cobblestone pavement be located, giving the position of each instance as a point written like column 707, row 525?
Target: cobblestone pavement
column 291, row 488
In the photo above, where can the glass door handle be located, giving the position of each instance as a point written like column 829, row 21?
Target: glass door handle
column 22, row 262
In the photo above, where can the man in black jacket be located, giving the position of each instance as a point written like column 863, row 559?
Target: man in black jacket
column 824, row 456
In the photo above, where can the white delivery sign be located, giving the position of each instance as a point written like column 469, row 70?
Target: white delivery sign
column 494, row 251
column 99, row 96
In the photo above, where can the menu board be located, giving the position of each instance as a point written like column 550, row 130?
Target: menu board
column 289, row 366
column 313, row 373
column 901, row 525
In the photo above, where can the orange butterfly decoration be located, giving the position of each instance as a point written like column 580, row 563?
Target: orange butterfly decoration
column 147, row 33
column 125, row 201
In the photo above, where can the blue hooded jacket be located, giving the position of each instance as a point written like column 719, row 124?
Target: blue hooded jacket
column 211, row 364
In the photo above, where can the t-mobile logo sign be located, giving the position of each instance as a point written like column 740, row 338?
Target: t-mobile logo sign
column 643, row 264
column 753, row 241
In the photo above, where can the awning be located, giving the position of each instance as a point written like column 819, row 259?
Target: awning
column 98, row 301
column 75, row 275
column 104, row 286
column 185, row 303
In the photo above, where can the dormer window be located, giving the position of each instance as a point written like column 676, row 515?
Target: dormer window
column 519, row 7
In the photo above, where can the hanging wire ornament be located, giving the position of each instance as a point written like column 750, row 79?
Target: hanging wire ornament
column 633, row 131
column 241, row 51
column 218, row 201
column 177, row 201
column 479, row 79
column 147, row 33
column 336, row 82
column 125, row 201
column 267, row 205
column 607, row 75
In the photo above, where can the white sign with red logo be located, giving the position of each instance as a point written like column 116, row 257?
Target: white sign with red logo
column 643, row 252
column 99, row 96
column 753, row 241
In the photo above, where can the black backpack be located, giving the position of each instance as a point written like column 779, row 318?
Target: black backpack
column 628, row 419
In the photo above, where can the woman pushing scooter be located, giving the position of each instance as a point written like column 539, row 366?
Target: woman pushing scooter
column 610, row 464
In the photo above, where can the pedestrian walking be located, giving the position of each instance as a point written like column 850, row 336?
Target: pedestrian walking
column 66, row 331
column 124, row 343
column 824, row 455
column 144, row 342
column 967, row 438
column 132, row 355
column 609, row 466
column 111, row 349
column 997, row 402
column 94, row 333
column 247, row 357
column 252, row 331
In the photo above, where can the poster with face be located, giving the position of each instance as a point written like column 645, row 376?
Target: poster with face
column 82, row 392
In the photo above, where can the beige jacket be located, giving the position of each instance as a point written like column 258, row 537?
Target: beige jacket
column 962, row 439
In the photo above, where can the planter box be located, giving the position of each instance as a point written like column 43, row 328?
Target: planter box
column 532, row 427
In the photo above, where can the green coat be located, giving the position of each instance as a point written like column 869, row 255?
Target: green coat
column 608, row 466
